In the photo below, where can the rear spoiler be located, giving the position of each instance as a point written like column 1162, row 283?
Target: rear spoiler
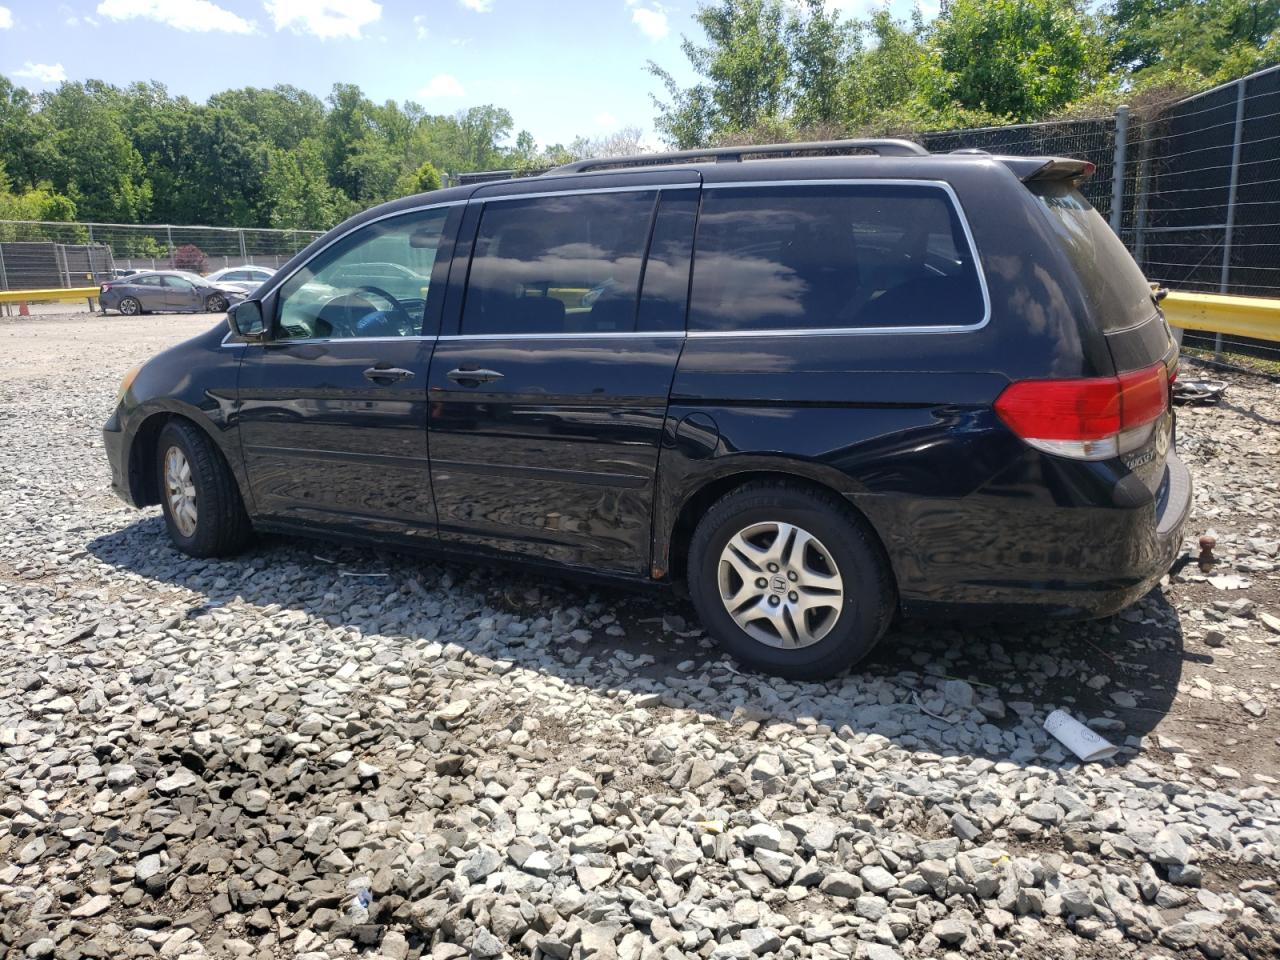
column 1054, row 168
column 1027, row 169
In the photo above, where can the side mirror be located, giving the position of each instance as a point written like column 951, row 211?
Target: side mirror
column 245, row 320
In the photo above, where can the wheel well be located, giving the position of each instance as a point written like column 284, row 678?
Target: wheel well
column 702, row 500
column 142, row 459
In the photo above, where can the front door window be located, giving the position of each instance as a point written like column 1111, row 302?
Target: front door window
column 373, row 283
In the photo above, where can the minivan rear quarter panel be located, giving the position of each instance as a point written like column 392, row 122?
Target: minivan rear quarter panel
column 917, row 450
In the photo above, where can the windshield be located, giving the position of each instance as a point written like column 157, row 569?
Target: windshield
column 1118, row 293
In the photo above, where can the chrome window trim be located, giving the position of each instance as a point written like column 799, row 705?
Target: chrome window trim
column 453, row 338
column 577, row 335
column 941, row 328
column 289, row 342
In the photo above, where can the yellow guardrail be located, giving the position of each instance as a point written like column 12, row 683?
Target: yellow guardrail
column 1256, row 317
column 43, row 296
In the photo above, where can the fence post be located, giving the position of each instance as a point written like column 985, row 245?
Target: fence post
column 4, row 282
column 1117, row 167
column 1224, row 280
column 243, row 255
column 168, row 231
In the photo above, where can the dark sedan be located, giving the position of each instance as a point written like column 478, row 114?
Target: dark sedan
column 168, row 291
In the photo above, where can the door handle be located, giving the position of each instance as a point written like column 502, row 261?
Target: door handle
column 471, row 377
column 387, row 374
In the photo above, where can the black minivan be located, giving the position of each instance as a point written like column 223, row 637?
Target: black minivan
column 815, row 387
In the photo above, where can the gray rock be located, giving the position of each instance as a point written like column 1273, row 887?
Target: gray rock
column 950, row 929
column 841, row 884
column 958, row 693
column 877, row 879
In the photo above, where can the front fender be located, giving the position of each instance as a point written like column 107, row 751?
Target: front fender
column 195, row 380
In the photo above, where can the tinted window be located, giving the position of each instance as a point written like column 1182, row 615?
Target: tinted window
column 178, row 283
column 564, row 264
column 146, row 281
column 373, row 283
column 1113, row 283
column 832, row 256
column 666, row 271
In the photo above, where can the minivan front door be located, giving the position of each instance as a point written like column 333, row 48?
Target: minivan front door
column 333, row 407
column 547, row 404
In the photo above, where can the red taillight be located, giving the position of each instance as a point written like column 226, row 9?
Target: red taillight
column 1090, row 418
column 105, row 288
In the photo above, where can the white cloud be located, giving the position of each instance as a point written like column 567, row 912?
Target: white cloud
column 6, row 18
column 479, row 6
column 42, row 72
column 442, row 86
column 652, row 21
column 606, row 120
column 193, row 16
column 325, row 19
column 420, row 27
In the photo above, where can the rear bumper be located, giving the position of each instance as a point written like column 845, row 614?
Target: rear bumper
column 1077, row 563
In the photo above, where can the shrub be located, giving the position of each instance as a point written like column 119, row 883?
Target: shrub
column 190, row 257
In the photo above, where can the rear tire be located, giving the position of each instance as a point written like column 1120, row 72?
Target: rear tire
column 130, row 307
column 203, row 510
column 790, row 581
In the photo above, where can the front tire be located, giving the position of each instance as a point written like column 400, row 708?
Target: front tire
column 216, row 303
column 203, row 510
column 790, row 581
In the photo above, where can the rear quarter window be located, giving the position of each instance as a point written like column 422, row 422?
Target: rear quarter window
column 1116, row 290
column 832, row 256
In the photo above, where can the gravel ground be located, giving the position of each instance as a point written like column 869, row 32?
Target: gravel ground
column 321, row 752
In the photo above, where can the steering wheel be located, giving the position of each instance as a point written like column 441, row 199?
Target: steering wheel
column 340, row 313
column 403, row 320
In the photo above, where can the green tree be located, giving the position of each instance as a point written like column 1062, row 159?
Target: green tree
column 95, row 162
column 422, row 180
column 282, row 117
column 744, row 66
column 1213, row 39
column 24, row 137
column 1020, row 58
column 39, row 203
column 884, row 76
column 819, row 44
column 299, row 194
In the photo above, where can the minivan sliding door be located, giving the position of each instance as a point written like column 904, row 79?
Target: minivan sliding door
column 547, row 404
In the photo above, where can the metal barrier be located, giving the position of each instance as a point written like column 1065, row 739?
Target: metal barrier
column 44, row 296
column 1255, row 317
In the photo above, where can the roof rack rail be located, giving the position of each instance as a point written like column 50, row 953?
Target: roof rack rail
column 883, row 148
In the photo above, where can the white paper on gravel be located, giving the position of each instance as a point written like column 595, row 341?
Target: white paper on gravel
column 1079, row 739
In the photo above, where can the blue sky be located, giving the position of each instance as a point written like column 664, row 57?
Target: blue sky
column 562, row 68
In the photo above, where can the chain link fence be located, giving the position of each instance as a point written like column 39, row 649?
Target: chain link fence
column 39, row 254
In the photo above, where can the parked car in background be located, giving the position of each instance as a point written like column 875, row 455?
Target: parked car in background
column 816, row 391
column 168, row 291
column 247, row 277
column 121, row 272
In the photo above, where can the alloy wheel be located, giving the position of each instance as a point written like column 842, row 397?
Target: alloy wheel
column 780, row 584
column 180, row 489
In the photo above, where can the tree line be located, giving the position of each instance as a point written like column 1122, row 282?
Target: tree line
column 766, row 70
column 791, row 69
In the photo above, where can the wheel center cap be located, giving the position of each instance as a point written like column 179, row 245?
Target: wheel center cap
column 778, row 585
